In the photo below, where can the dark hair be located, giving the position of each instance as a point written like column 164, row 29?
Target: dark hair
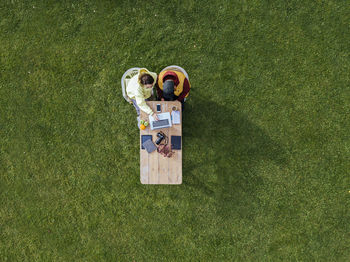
column 147, row 79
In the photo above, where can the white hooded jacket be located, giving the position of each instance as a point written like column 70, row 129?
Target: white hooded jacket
column 135, row 90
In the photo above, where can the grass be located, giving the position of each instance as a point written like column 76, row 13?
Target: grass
column 265, row 131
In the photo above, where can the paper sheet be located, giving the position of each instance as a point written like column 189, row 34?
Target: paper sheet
column 175, row 115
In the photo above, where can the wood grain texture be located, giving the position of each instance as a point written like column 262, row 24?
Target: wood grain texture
column 154, row 168
column 144, row 159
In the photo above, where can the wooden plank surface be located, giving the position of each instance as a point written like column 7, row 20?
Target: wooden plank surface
column 163, row 167
column 175, row 166
column 155, row 168
column 144, row 160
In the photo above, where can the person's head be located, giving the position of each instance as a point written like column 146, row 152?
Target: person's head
column 168, row 90
column 147, row 80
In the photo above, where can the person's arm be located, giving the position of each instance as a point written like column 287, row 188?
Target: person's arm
column 185, row 91
column 141, row 103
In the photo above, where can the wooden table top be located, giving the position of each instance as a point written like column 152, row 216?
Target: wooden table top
column 155, row 168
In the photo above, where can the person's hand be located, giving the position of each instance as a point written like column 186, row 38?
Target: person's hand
column 155, row 117
column 162, row 99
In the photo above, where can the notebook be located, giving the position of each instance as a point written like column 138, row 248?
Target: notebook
column 176, row 142
column 149, row 145
column 144, row 138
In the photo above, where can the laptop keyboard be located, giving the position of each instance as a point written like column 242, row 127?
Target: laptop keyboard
column 159, row 123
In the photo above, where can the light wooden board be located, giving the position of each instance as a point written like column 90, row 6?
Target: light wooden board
column 154, row 168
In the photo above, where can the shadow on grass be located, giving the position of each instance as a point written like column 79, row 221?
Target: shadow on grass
column 228, row 151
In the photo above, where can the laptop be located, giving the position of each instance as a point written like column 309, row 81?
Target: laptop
column 164, row 121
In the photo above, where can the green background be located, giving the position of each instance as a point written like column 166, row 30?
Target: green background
column 265, row 131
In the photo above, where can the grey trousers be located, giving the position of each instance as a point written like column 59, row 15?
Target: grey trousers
column 136, row 107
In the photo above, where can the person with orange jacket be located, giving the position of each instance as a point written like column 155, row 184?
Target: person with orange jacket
column 172, row 85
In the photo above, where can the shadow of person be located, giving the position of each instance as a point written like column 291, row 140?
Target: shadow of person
column 228, row 151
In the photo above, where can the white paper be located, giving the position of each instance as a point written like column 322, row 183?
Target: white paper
column 175, row 115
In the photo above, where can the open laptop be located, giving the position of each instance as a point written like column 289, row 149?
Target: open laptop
column 164, row 121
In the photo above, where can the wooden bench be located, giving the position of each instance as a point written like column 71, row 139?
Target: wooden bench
column 155, row 168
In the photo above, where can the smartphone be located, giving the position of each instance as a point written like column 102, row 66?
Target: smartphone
column 158, row 108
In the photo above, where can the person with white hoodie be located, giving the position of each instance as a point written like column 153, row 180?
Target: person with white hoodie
column 139, row 90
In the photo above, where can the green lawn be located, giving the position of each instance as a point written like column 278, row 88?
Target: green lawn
column 266, row 131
